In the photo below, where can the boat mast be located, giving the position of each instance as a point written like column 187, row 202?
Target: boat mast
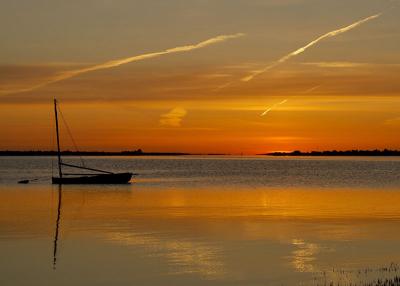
column 58, row 140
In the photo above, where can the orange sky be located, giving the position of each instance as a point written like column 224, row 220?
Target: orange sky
column 341, row 93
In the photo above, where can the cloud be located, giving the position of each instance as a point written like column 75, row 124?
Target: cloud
column 303, row 49
column 272, row 107
column 393, row 121
column 173, row 118
column 185, row 86
column 288, row 138
column 337, row 64
column 115, row 63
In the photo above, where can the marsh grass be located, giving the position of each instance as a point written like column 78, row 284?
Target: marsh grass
column 382, row 276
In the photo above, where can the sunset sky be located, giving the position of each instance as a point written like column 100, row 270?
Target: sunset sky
column 201, row 76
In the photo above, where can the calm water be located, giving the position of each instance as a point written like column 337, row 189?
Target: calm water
column 202, row 221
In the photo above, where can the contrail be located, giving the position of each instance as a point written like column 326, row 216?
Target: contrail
column 303, row 49
column 272, row 107
column 116, row 63
column 310, row 90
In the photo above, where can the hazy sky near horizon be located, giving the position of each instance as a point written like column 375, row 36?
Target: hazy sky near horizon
column 342, row 93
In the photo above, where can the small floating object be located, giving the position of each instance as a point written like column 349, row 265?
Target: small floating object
column 26, row 181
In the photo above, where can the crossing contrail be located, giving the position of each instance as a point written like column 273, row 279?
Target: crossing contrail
column 303, row 49
column 115, row 63
column 272, row 107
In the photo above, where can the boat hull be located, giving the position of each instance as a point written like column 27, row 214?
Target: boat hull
column 118, row 178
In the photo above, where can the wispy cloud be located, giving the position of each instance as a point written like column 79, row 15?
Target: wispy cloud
column 273, row 107
column 174, row 117
column 314, row 42
column 393, row 121
column 337, row 64
column 115, row 63
column 287, row 138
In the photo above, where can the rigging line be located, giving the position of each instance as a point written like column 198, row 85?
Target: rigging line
column 53, row 144
column 70, row 135
column 51, row 158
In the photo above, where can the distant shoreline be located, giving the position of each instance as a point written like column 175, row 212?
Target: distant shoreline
column 97, row 153
column 88, row 153
column 384, row 152
column 139, row 152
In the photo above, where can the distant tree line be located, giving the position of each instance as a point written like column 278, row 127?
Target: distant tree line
column 137, row 152
column 384, row 152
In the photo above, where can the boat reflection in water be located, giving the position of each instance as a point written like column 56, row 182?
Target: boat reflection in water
column 57, row 230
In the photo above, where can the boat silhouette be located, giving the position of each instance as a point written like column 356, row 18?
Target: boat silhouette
column 98, row 177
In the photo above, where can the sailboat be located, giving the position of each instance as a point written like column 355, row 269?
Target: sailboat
column 99, row 177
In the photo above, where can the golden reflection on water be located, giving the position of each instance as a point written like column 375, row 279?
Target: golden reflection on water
column 304, row 255
column 268, row 203
column 194, row 231
column 187, row 256
column 288, row 203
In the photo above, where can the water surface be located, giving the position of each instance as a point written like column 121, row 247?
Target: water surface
column 202, row 221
